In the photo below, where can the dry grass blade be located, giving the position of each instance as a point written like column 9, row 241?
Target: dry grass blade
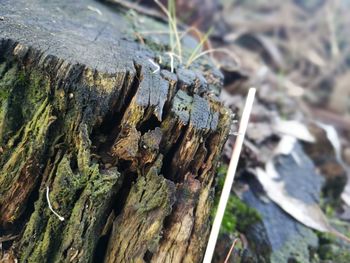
column 215, row 50
column 231, row 249
column 197, row 48
column 7, row 238
column 173, row 31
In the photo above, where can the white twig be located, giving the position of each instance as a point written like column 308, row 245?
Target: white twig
column 235, row 133
column 160, row 59
column 172, row 55
column 171, row 62
column 154, row 64
column 92, row 8
column 222, row 50
column 229, row 177
column 48, row 201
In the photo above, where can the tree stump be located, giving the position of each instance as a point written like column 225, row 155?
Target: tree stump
column 124, row 153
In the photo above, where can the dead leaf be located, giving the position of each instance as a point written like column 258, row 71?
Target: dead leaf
column 332, row 136
column 286, row 145
column 308, row 213
column 295, row 129
column 272, row 49
column 293, row 89
column 315, row 58
column 259, row 131
column 345, row 196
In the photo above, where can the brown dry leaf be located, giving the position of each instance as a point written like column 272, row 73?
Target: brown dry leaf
column 340, row 97
column 272, row 49
column 8, row 257
column 334, row 139
column 332, row 136
column 315, row 58
column 293, row 89
column 346, row 155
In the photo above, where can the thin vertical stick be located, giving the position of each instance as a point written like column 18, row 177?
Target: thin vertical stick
column 230, row 176
column 230, row 251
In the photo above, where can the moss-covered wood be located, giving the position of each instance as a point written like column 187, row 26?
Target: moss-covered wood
column 128, row 156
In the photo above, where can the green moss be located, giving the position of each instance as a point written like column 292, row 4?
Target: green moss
column 79, row 198
column 238, row 216
column 37, row 86
column 10, row 85
column 65, row 186
column 3, row 95
column 148, row 200
column 83, row 145
column 100, row 184
column 21, row 93
column 334, row 252
column 332, row 248
column 88, row 216
column 296, row 249
column 43, row 224
column 29, row 149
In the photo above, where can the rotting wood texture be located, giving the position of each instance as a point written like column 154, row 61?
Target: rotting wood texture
column 129, row 156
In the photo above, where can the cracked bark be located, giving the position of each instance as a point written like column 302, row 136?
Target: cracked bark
column 129, row 156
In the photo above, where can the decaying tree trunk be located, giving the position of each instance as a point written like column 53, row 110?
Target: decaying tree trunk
column 126, row 154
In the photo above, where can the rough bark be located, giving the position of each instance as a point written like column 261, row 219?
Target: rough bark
column 128, row 155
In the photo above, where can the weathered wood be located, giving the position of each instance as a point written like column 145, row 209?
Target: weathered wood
column 138, row 229
column 129, row 155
